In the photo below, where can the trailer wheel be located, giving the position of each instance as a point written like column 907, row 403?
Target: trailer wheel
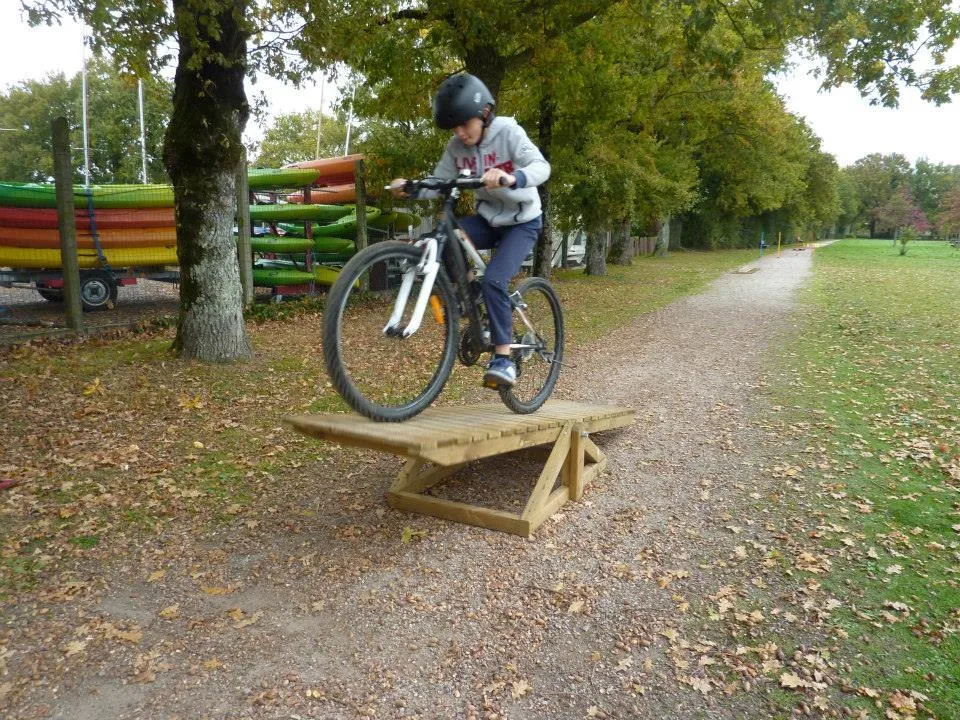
column 51, row 294
column 97, row 292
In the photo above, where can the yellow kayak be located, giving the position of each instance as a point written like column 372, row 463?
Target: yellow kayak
column 116, row 257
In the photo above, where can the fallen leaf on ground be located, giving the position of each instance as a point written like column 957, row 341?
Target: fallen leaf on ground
column 133, row 635
column 171, row 613
column 249, row 620
column 520, row 688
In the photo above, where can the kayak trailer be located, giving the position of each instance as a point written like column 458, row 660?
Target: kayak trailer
column 98, row 287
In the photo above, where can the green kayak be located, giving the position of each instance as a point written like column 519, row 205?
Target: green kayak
column 261, row 178
column 345, row 226
column 39, row 195
column 293, row 211
column 279, row 244
column 276, row 276
column 399, row 220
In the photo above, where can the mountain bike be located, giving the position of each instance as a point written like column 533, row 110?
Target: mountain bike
column 400, row 313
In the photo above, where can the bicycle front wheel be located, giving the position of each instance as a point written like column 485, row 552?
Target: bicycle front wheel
column 538, row 330
column 377, row 371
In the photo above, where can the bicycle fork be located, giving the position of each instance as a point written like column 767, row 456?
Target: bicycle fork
column 429, row 266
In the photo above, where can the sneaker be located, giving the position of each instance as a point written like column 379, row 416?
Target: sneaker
column 500, row 373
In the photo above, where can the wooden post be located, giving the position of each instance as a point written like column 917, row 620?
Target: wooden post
column 360, row 184
column 778, row 243
column 63, row 176
column 244, row 251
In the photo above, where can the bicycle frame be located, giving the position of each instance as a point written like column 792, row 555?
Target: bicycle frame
column 464, row 255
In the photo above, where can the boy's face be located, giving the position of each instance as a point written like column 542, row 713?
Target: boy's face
column 470, row 132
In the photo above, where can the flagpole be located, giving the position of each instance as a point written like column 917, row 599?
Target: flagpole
column 323, row 82
column 346, row 146
column 143, row 132
column 86, row 139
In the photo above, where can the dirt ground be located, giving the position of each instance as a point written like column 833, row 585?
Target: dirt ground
column 332, row 605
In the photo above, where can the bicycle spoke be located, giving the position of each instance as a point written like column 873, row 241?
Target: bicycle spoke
column 388, row 374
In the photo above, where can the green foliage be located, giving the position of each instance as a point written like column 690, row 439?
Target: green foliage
column 113, row 119
column 907, row 235
column 293, row 137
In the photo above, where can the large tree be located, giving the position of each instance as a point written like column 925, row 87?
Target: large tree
column 408, row 43
column 114, row 135
column 878, row 178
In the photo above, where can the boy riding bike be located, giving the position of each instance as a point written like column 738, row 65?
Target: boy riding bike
column 509, row 217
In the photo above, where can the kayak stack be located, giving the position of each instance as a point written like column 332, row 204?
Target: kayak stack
column 123, row 225
column 133, row 226
column 288, row 226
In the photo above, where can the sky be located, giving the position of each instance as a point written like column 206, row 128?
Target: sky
column 848, row 125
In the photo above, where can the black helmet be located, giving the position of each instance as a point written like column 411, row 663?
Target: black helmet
column 459, row 98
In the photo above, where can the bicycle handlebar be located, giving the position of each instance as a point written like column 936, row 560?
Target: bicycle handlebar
column 411, row 187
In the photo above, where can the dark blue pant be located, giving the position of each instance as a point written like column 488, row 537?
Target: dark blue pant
column 511, row 244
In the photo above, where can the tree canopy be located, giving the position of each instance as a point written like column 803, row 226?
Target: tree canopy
column 646, row 108
column 115, row 156
column 293, row 137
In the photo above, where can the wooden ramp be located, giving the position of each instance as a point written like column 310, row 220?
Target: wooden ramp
column 442, row 440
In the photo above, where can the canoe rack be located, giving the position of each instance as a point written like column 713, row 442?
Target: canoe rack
column 440, row 441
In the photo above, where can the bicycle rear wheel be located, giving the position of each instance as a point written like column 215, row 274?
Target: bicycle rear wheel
column 379, row 373
column 538, row 367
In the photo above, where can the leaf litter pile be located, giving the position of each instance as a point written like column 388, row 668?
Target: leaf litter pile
column 169, row 550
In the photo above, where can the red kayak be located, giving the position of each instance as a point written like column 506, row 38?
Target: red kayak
column 46, row 218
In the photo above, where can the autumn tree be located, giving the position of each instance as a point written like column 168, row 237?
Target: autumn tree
column 402, row 49
column 901, row 211
column 292, row 137
column 878, row 178
column 114, row 134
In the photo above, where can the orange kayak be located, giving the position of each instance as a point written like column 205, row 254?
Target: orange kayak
column 17, row 217
column 109, row 238
column 328, row 195
column 333, row 170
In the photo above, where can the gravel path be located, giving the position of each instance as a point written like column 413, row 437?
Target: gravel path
column 326, row 613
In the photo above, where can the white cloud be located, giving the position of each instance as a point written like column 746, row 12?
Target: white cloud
column 851, row 128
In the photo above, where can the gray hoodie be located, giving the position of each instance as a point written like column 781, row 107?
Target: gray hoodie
column 504, row 145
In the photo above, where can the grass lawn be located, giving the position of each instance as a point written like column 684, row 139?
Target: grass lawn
column 870, row 393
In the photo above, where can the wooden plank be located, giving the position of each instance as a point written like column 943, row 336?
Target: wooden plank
column 548, row 476
column 461, row 512
column 353, row 431
column 551, row 507
column 419, row 482
column 450, row 430
column 368, row 443
column 591, row 450
column 462, row 453
column 575, row 463
column 409, row 471
column 608, row 423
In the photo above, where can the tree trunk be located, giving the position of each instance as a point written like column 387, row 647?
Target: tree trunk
column 202, row 152
column 597, row 242
column 486, row 63
column 543, row 256
column 663, row 238
column 621, row 247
